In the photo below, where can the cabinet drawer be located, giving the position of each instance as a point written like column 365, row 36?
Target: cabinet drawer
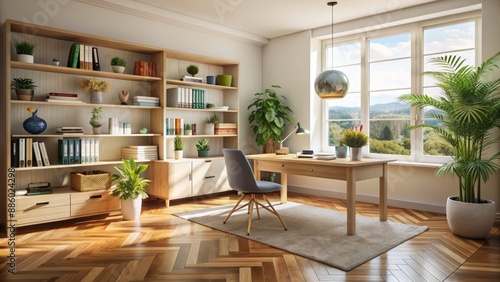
column 96, row 202
column 91, row 197
column 46, row 201
column 209, row 176
column 41, row 214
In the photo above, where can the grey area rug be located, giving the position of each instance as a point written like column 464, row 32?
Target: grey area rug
column 315, row 233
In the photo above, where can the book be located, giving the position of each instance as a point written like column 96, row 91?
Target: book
column 14, row 153
column 95, row 59
column 71, row 151
column 189, row 78
column 63, row 153
column 81, row 59
column 77, row 151
column 42, row 184
column 61, row 98
column 43, row 152
column 148, row 104
column 29, row 152
column 22, row 152
column 38, row 156
column 57, row 94
column 96, row 150
column 65, row 101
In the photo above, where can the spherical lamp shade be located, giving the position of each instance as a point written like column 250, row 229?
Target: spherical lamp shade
column 331, row 84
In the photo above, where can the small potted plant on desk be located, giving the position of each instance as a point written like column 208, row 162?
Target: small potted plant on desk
column 131, row 188
column 178, row 147
column 202, row 147
column 355, row 139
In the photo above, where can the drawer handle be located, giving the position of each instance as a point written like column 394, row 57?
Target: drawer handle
column 209, row 176
column 282, row 165
column 42, row 203
column 95, row 196
column 208, row 161
column 311, row 170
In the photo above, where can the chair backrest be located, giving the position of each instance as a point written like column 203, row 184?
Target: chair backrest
column 239, row 172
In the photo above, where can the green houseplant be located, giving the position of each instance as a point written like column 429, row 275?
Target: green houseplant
column 131, row 188
column 210, row 123
column 468, row 110
column 24, row 51
column 188, row 129
column 354, row 139
column 268, row 117
column 95, row 120
column 24, row 88
column 118, row 64
column 202, row 147
column 192, row 70
column 178, row 147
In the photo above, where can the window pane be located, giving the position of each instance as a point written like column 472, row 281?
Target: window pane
column 449, row 38
column 434, row 144
column 390, row 47
column 335, row 129
column 353, row 73
column 390, row 137
column 347, row 54
column 390, row 75
column 468, row 55
column 348, row 107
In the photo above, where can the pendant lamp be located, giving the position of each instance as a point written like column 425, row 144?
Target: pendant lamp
column 331, row 84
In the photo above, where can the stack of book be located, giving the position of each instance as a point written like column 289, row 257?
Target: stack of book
column 189, row 78
column 83, row 57
column 225, row 128
column 144, row 152
column 174, row 126
column 146, row 101
column 325, row 156
column 54, row 97
column 28, row 153
column 181, row 97
column 38, row 188
column 78, row 151
column 70, row 130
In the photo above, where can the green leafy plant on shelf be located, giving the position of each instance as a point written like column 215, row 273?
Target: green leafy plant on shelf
column 178, row 143
column 25, row 47
column 117, row 61
column 213, row 119
column 22, row 83
column 131, row 185
column 202, row 145
column 192, row 70
column 95, row 117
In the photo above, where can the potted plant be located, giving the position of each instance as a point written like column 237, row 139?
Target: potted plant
column 24, row 50
column 131, row 188
column 178, row 147
column 24, row 87
column 95, row 87
column 210, row 123
column 467, row 111
column 187, row 129
column 202, row 147
column 55, row 62
column 192, row 70
column 95, row 120
column 355, row 139
column 268, row 117
column 118, row 64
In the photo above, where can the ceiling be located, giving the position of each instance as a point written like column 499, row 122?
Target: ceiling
column 262, row 19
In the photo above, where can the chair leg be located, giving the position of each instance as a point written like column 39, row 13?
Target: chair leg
column 256, row 206
column 250, row 204
column 235, row 208
column 274, row 211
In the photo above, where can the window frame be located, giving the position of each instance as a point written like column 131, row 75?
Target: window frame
column 416, row 31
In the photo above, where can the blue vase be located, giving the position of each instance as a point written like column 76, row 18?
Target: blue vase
column 34, row 124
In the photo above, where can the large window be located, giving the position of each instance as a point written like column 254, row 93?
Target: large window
column 382, row 68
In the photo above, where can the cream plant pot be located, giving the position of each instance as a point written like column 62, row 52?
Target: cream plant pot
column 131, row 208
column 25, row 58
column 178, row 155
column 470, row 220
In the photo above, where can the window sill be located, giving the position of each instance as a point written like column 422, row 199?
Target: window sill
column 414, row 164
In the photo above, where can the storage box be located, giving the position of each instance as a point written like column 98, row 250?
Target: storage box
column 90, row 180
column 225, row 128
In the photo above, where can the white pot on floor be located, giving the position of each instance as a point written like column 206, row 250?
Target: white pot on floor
column 131, row 208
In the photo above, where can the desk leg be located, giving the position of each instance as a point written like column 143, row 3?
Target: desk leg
column 351, row 201
column 383, row 194
column 256, row 169
column 284, row 190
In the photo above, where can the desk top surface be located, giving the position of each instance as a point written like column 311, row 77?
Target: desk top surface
column 293, row 158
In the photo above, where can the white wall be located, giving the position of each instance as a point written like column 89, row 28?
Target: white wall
column 409, row 186
column 80, row 17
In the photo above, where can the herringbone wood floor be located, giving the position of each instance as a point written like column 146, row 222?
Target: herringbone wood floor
column 162, row 247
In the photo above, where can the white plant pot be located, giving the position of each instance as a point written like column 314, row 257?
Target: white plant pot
column 470, row 220
column 25, row 58
column 131, row 208
column 209, row 128
column 118, row 69
column 356, row 153
column 178, row 155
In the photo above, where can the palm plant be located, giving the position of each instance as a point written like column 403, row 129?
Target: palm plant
column 468, row 110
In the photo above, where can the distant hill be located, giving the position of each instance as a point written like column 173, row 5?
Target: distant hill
column 375, row 110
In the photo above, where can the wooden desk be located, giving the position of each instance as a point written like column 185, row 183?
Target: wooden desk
column 340, row 169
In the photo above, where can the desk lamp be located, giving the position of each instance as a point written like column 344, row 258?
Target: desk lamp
column 298, row 131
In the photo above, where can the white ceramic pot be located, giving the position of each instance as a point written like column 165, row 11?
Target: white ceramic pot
column 96, row 97
column 25, row 58
column 131, row 208
column 178, row 155
column 96, row 130
column 118, row 69
column 470, row 220
column 209, row 128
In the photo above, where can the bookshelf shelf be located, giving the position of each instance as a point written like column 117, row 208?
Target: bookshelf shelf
column 201, row 110
column 60, row 166
column 85, row 135
column 199, row 85
column 84, row 105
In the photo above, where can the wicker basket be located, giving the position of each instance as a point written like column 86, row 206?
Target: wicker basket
column 90, row 180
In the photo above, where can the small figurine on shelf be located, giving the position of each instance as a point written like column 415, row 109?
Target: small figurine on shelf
column 123, row 97
column 55, row 62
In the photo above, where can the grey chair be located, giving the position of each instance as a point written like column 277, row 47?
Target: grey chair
column 241, row 178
